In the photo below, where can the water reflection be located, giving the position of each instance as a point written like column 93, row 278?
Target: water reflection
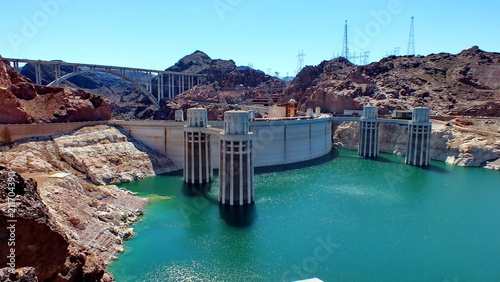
column 238, row 216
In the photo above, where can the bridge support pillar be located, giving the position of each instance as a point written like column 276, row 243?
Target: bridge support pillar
column 419, row 138
column 197, row 161
column 171, row 89
column 149, row 82
column 38, row 74
column 236, row 172
column 368, row 133
column 57, row 69
column 161, row 88
column 183, row 83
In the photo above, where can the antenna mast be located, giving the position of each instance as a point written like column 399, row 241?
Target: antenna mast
column 411, row 41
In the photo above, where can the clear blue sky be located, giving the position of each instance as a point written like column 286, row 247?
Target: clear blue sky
column 268, row 34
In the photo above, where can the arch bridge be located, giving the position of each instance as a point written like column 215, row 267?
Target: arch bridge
column 168, row 84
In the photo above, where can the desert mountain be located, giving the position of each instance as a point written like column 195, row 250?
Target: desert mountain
column 464, row 84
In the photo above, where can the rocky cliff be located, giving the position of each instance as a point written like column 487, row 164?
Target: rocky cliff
column 66, row 229
column 462, row 84
column 102, row 153
column 21, row 101
column 226, row 84
column 464, row 146
column 70, row 223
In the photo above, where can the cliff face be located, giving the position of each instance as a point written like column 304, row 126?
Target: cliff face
column 102, row 153
column 453, row 144
column 463, row 84
column 67, row 228
column 62, row 232
column 226, row 84
column 21, row 101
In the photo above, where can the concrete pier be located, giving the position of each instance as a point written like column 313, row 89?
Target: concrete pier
column 419, row 138
column 236, row 169
column 368, row 133
column 197, row 162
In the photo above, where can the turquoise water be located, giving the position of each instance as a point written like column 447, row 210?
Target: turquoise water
column 347, row 219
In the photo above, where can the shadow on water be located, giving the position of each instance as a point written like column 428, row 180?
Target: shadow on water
column 176, row 173
column 383, row 160
column 431, row 167
column 196, row 190
column 238, row 216
column 437, row 169
column 280, row 168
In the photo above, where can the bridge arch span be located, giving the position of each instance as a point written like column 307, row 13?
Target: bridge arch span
column 58, row 81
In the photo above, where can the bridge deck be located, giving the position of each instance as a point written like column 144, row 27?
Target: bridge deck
column 94, row 66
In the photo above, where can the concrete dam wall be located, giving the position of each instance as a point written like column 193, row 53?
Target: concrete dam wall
column 275, row 142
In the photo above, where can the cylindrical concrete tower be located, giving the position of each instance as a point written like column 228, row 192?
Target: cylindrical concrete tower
column 419, row 138
column 309, row 112
column 179, row 115
column 197, row 163
column 236, row 160
column 368, row 133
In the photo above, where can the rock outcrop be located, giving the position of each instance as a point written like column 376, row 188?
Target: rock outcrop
column 463, row 84
column 226, row 84
column 69, row 229
column 21, row 101
column 65, row 228
column 23, row 274
column 102, row 153
column 197, row 62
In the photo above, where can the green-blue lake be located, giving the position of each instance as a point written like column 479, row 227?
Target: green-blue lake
column 346, row 219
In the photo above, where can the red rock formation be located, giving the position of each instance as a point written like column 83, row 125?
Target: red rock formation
column 21, row 101
column 39, row 241
column 463, row 84
column 226, row 84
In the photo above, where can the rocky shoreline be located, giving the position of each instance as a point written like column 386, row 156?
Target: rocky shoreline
column 70, row 221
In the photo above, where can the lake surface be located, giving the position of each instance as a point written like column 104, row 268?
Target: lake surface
column 346, row 219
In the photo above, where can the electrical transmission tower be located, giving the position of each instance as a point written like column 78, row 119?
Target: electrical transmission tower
column 411, row 41
column 366, row 57
column 300, row 61
column 345, row 47
column 396, row 51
